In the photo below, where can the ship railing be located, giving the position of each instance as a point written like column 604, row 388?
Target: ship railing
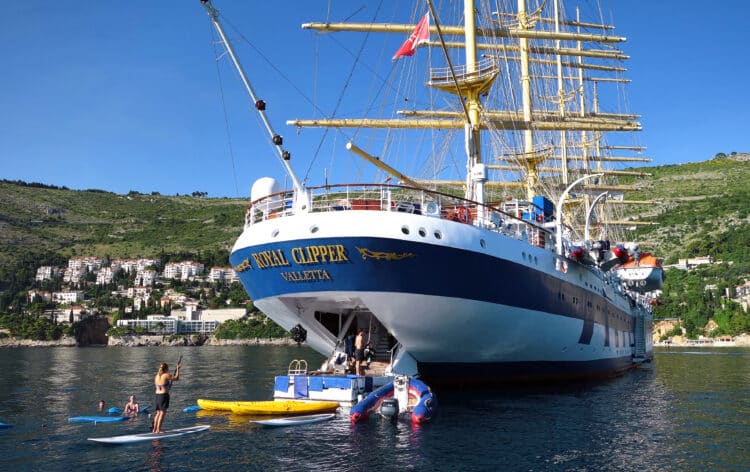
column 399, row 198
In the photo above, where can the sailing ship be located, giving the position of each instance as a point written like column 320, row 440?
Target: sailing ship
column 509, row 270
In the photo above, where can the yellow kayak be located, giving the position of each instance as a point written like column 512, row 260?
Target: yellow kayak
column 217, row 405
column 285, row 407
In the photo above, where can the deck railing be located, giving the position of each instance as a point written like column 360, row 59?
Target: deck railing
column 503, row 218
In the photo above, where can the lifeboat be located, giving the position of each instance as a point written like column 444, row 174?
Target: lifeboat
column 642, row 272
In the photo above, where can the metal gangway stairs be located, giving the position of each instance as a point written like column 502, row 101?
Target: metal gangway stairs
column 639, row 351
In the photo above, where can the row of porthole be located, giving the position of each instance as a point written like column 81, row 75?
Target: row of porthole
column 422, row 232
column 530, row 258
column 313, row 229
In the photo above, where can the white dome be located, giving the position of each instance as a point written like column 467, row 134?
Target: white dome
column 264, row 187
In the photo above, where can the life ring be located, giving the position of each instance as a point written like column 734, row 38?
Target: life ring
column 462, row 214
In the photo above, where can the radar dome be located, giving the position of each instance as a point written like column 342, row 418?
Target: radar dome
column 264, row 187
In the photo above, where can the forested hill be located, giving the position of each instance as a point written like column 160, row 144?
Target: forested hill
column 703, row 209
column 42, row 224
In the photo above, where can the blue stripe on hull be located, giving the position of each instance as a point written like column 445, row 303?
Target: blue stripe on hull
column 392, row 265
column 445, row 373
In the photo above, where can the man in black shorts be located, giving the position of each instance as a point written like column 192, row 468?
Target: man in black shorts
column 359, row 350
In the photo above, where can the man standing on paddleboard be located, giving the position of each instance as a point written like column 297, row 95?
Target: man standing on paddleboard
column 163, row 381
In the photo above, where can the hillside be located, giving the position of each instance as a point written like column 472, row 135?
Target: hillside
column 43, row 221
column 703, row 209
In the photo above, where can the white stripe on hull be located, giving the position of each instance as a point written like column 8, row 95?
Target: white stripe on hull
column 440, row 329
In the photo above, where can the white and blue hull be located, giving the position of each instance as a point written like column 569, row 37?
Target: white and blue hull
column 465, row 303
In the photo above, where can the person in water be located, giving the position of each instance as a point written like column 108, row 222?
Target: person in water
column 131, row 407
column 101, row 405
column 162, row 382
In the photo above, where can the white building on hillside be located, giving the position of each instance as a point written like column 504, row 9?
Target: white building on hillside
column 146, row 277
column 87, row 264
column 171, row 325
column 73, row 276
column 225, row 275
column 47, row 273
column 68, row 296
column 43, row 295
column 182, row 270
column 105, row 275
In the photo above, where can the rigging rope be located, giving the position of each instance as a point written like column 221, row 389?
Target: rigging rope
column 224, row 109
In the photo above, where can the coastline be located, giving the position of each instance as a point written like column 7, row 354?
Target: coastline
column 738, row 341
column 142, row 341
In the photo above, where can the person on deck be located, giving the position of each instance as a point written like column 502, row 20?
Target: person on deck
column 131, row 407
column 162, row 382
column 359, row 351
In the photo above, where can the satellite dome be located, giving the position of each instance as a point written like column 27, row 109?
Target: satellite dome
column 264, row 187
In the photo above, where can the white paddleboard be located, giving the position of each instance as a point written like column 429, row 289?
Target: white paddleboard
column 296, row 420
column 133, row 438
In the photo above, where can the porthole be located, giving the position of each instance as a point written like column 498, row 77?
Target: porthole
column 405, row 229
column 438, row 235
column 523, row 255
column 274, row 233
column 482, row 243
column 314, row 228
column 536, row 260
column 422, row 232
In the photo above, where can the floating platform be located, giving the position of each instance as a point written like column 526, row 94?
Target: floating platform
column 346, row 389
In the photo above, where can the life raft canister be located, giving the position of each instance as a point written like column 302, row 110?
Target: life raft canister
column 462, row 214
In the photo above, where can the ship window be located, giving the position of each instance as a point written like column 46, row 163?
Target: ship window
column 536, row 260
column 482, row 243
column 422, row 232
column 438, row 235
column 405, row 229
column 274, row 233
column 523, row 255
column 314, row 229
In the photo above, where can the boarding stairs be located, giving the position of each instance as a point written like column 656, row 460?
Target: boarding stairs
column 639, row 352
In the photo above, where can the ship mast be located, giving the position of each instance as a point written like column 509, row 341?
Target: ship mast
column 260, row 105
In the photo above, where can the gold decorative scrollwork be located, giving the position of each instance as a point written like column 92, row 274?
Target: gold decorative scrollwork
column 388, row 256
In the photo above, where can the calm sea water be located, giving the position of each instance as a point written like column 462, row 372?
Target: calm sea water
column 689, row 410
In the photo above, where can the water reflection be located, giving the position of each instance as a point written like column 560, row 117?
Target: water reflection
column 153, row 460
column 684, row 412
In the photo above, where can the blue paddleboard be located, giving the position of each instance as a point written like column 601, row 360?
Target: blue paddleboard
column 5, row 425
column 96, row 419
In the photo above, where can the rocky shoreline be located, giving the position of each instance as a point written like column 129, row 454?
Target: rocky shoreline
column 65, row 341
column 139, row 341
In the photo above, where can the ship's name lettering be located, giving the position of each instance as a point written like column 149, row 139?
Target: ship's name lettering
column 273, row 258
column 306, row 275
column 302, row 255
column 319, row 254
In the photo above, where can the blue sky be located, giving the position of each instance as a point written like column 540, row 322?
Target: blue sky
column 125, row 96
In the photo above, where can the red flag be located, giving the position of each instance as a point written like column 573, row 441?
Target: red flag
column 421, row 34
